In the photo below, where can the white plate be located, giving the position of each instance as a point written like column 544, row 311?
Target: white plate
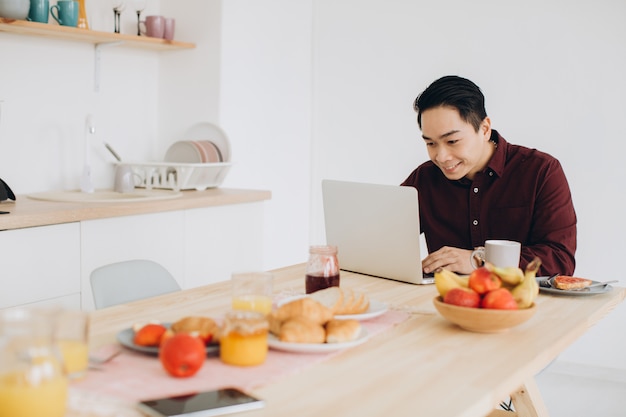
column 586, row 291
column 184, row 152
column 376, row 308
column 208, row 131
column 276, row 344
column 126, row 336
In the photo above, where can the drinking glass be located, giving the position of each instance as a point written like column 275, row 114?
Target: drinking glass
column 139, row 6
column 118, row 7
column 32, row 381
column 252, row 291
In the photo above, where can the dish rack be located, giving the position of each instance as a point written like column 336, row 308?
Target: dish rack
column 178, row 176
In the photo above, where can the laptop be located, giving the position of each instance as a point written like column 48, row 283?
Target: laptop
column 376, row 229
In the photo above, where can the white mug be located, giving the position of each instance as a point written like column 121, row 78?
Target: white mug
column 124, row 179
column 501, row 253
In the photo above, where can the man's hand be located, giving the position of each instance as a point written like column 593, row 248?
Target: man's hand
column 453, row 259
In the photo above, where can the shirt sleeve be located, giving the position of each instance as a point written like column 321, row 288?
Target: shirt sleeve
column 552, row 236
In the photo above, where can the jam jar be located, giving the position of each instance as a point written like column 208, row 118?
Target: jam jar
column 322, row 269
column 243, row 340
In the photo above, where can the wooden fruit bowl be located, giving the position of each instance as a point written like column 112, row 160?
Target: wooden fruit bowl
column 483, row 320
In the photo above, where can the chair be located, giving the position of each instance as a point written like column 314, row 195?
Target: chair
column 127, row 281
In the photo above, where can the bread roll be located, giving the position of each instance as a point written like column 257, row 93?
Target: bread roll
column 340, row 331
column 300, row 329
column 205, row 327
column 305, row 307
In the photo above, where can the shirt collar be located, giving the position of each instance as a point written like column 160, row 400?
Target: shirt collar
column 498, row 159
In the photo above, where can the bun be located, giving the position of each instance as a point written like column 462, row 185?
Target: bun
column 342, row 301
column 306, row 307
column 340, row 331
column 204, row 326
column 302, row 330
column 564, row 282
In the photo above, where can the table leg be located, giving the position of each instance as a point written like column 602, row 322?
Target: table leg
column 528, row 402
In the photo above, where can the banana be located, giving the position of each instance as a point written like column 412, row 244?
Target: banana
column 445, row 280
column 511, row 275
column 526, row 292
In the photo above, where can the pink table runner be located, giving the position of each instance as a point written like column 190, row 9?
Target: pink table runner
column 135, row 376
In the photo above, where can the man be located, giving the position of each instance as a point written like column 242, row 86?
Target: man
column 477, row 186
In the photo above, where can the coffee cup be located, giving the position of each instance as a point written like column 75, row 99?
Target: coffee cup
column 65, row 12
column 501, row 253
column 124, row 179
column 153, row 26
column 169, row 26
column 39, row 11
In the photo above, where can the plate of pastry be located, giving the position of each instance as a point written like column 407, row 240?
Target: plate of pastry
column 566, row 285
column 204, row 326
column 275, row 343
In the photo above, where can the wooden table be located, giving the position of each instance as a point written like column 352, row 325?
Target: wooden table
column 424, row 366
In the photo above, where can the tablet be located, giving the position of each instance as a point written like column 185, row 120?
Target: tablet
column 201, row 404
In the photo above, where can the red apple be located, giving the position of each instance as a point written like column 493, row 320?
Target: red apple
column 482, row 280
column 464, row 297
column 500, row 299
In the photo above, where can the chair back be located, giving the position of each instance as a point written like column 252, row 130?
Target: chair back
column 127, row 281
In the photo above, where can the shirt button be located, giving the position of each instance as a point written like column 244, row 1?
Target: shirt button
column 475, row 190
column 475, row 222
column 491, row 173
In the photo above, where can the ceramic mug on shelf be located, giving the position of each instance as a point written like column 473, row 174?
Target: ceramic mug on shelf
column 65, row 12
column 39, row 11
column 170, row 25
column 153, row 26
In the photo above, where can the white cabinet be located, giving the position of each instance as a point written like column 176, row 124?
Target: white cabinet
column 157, row 236
column 40, row 265
column 220, row 240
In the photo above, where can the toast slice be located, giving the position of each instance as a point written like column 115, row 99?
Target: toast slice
column 564, row 282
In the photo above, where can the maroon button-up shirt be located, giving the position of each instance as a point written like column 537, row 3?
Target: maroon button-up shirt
column 521, row 195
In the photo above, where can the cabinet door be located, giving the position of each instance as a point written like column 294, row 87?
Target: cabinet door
column 220, row 240
column 157, row 236
column 40, row 264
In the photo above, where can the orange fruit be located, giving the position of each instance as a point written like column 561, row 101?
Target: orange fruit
column 149, row 335
column 182, row 355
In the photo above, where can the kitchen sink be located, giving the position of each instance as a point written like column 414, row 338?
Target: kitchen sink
column 105, row 196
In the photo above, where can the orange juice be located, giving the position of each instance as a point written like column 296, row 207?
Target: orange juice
column 21, row 397
column 259, row 303
column 75, row 357
column 244, row 338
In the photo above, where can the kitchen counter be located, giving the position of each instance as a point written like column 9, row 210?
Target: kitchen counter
column 27, row 212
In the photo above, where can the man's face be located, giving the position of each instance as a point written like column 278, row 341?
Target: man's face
column 453, row 144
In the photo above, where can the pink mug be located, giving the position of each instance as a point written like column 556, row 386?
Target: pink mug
column 153, row 26
column 170, row 24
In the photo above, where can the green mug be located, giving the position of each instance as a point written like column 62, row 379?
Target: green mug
column 39, row 11
column 65, row 12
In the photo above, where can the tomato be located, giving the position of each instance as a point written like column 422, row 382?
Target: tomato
column 182, row 355
column 149, row 335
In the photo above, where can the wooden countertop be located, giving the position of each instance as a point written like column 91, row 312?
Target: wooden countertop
column 27, row 212
column 424, row 366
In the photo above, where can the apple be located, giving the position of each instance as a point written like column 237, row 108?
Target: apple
column 464, row 297
column 500, row 299
column 483, row 280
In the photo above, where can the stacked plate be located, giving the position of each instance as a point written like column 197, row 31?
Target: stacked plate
column 204, row 143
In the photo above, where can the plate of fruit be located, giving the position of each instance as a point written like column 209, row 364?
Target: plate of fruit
column 147, row 337
column 490, row 299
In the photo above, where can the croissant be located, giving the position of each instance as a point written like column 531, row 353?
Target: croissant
column 302, row 330
column 311, row 309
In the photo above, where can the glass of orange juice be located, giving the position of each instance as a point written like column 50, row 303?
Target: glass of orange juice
column 32, row 381
column 71, row 338
column 243, row 340
column 252, row 291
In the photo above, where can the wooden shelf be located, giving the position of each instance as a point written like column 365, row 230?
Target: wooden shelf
column 49, row 30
